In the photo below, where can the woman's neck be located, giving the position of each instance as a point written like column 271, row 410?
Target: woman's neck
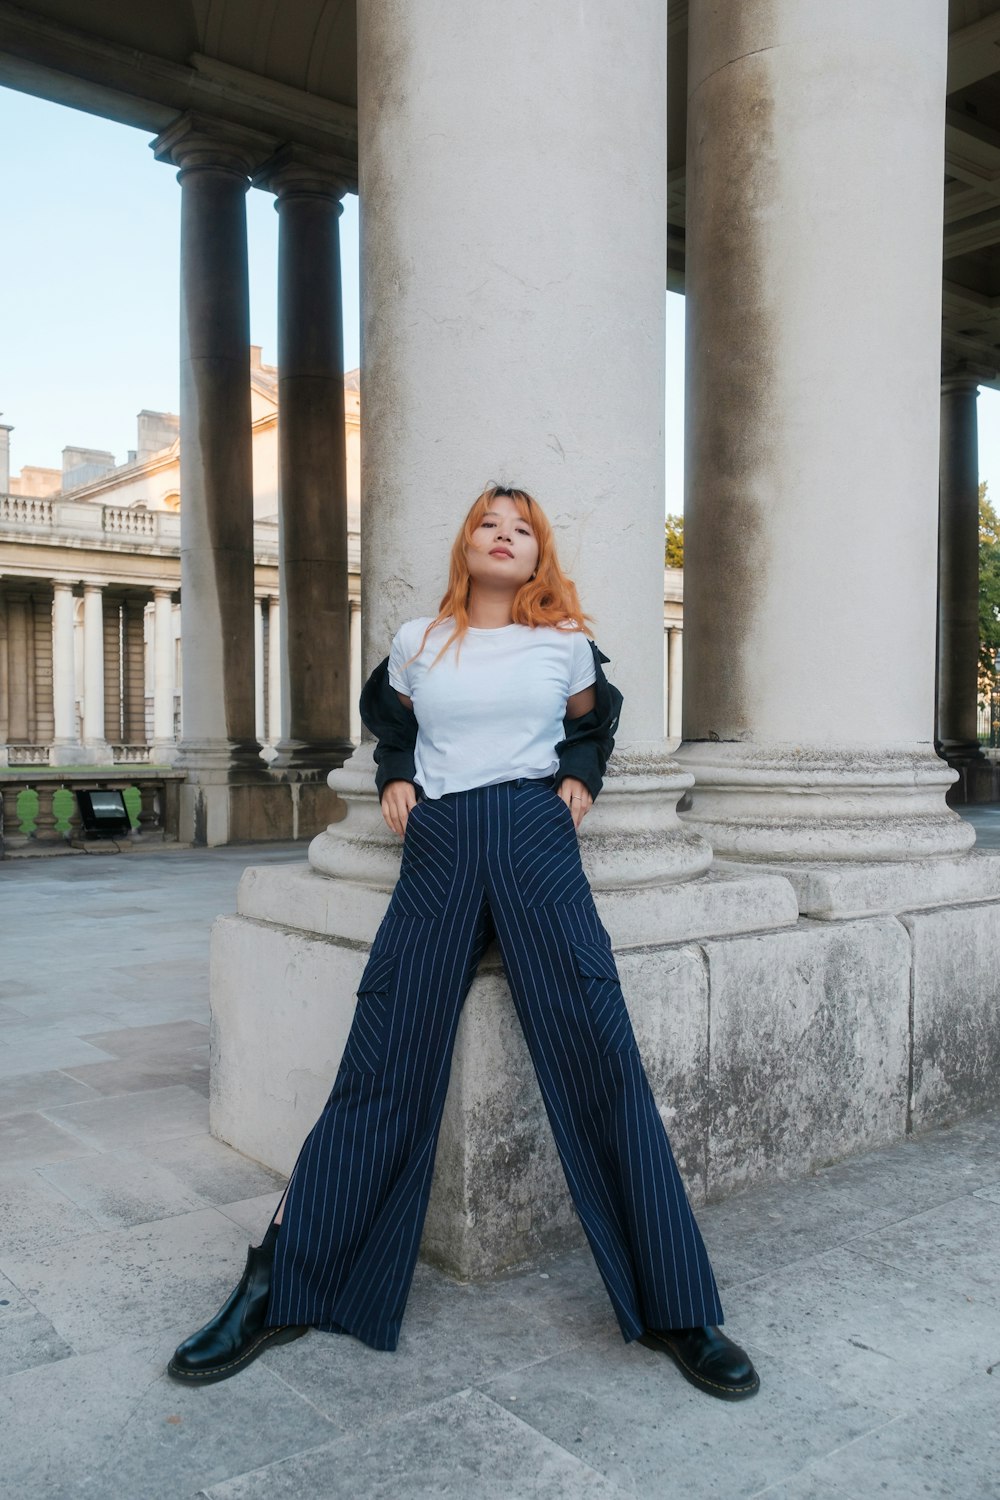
column 489, row 611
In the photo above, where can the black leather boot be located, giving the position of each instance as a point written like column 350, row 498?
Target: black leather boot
column 708, row 1359
column 237, row 1334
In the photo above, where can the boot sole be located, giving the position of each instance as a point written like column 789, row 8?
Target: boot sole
column 710, row 1387
column 263, row 1341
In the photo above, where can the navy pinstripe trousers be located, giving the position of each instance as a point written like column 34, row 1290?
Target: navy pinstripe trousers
column 497, row 861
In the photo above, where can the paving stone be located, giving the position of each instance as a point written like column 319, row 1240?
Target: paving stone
column 34, row 1214
column 598, row 1399
column 46, row 1053
column 31, row 1140
column 991, row 1194
column 806, row 1487
column 956, row 1245
column 30, row 1091
column 128, row 1432
column 933, row 1453
column 253, row 1215
column 213, row 1170
column 121, row 1188
column 166, row 1041
column 134, row 1075
column 155, row 1113
column 453, row 1336
column 29, row 1340
column 877, row 1334
column 118, row 1284
column 464, row 1446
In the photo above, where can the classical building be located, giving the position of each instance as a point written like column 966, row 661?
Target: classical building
column 100, row 537
column 805, row 932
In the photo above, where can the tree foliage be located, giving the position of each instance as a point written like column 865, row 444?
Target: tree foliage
column 989, row 585
column 673, row 548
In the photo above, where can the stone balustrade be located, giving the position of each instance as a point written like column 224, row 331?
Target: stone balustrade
column 25, row 511
column 49, row 816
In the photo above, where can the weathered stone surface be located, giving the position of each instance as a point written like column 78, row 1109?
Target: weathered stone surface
column 956, row 1011
column 853, row 889
column 809, row 1043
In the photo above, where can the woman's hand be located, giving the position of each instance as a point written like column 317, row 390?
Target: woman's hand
column 576, row 796
column 398, row 798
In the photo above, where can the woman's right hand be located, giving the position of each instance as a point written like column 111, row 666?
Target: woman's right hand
column 398, row 798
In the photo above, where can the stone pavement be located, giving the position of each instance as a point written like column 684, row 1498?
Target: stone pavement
column 868, row 1293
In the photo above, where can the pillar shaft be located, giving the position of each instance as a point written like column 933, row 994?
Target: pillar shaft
column 133, row 671
column 546, row 343
column 312, row 460
column 18, row 620
column 258, row 667
column 958, row 571
column 675, row 669
column 813, row 310
column 274, row 670
column 63, row 672
column 163, row 672
column 216, row 466
column 93, row 664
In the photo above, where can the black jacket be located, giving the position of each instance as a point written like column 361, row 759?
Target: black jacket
column 583, row 753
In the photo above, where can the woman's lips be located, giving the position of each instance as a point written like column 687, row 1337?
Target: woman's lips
column 500, row 552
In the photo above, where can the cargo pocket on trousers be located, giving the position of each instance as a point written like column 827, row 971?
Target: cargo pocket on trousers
column 365, row 1050
column 598, row 972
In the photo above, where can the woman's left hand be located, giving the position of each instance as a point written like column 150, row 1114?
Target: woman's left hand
column 576, row 796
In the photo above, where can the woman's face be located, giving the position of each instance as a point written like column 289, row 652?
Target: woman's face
column 503, row 547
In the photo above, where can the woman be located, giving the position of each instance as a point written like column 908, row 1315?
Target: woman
column 494, row 721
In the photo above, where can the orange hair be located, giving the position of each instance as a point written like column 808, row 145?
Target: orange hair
column 547, row 598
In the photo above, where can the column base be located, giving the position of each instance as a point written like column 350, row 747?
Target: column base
column 97, row 753
column 632, row 842
column 220, row 809
column 70, row 753
column 163, row 752
column 311, row 755
column 787, row 803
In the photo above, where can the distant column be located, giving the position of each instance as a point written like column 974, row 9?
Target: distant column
column 17, row 666
column 258, row 666
column 958, row 572
column 675, row 689
column 133, row 670
column 355, row 670
column 274, row 670
column 164, row 744
column 219, row 748
column 313, row 468
column 93, row 673
column 63, row 671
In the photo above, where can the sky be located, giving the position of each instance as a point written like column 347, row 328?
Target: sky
column 89, row 260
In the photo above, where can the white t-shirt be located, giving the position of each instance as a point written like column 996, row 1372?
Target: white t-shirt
column 497, row 712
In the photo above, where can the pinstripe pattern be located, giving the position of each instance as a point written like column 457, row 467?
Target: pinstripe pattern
column 497, row 861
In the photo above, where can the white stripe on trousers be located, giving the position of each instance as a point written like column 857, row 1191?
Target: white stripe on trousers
column 497, row 861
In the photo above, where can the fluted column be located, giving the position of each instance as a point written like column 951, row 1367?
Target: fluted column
column 93, row 674
column 958, row 572
column 63, row 673
column 219, row 743
column 312, row 461
column 164, row 745
column 813, row 312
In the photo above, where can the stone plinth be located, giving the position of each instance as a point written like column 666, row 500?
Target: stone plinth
column 773, row 1042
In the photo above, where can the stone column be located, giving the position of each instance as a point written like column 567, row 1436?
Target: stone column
column 219, row 749
column 258, row 667
column 133, row 670
column 312, row 462
column 958, row 573
column 18, row 624
column 675, row 672
column 164, row 744
column 66, row 746
column 813, row 316
column 356, row 683
column 274, row 670
column 478, row 284
column 97, row 746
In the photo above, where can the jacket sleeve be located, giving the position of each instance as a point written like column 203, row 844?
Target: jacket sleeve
column 394, row 727
column 590, row 739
